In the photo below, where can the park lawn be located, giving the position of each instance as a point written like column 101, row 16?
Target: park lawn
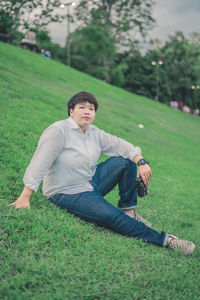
column 48, row 253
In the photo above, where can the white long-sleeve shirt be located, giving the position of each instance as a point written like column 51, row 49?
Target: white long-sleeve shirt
column 66, row 158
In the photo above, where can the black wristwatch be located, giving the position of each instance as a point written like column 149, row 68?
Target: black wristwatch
column 142, row 161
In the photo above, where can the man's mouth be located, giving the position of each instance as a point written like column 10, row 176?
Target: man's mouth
column 86, row 118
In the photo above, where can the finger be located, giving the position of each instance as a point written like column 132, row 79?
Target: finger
column 13, row 203
column 148, row 177
column 150, row 173
column 22, row 206
column 19, row 205
column 144, row 179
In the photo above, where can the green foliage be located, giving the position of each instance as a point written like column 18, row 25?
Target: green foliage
column 44, row 41
column 138, row 73
column 118, row 77
column 93, row 50
column 179, row 71
column 6, row 22
column 26, row 14
column 46, row 253
column 127, row 20
column 180, row 67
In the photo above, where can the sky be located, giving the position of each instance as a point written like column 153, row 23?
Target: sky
column 170, row 16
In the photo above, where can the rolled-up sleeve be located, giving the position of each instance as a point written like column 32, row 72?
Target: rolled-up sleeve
column 113, row 146
column 49, row 147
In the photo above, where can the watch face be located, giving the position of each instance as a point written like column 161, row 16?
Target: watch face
column 142, row 162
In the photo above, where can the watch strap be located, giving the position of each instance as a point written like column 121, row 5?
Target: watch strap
column 142, row 161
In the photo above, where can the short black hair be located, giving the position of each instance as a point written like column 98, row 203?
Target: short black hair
column 81, row 98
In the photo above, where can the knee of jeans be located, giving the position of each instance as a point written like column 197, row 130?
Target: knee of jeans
column 127, row 162
column 119, row 160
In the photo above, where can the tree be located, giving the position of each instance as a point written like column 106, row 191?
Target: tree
column 126, row 19
column 180, row 66
column 159, row 86
column 23, row 14
column 44, row 41
column 118, row 71
column 177, row 76
column 194, row 38
column 137, row 73
column 93, row 50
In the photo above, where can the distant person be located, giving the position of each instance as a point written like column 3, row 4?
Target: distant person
column 175, row 104
column 46, row 53
column 186, row 109
column 196, row 112
column 66, row 160
column 156, row 99
column 180, row 104
column 172, row 104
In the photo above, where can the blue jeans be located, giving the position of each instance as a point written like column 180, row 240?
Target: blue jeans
column 92, row 207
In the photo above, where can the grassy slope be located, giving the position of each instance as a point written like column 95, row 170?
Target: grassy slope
column 49, row 254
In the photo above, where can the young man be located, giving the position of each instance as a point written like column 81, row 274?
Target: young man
column 66, row 160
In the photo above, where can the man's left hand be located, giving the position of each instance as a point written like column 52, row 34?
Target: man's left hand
column 145, row 172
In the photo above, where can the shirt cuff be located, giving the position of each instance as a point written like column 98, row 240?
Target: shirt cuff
column 31, row 185
column 137, row 151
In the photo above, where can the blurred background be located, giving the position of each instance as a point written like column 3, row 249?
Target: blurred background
column 148, row 47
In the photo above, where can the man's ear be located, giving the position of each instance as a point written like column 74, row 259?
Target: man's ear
column 71, row 112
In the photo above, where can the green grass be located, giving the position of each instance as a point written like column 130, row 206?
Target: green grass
column 50, row 254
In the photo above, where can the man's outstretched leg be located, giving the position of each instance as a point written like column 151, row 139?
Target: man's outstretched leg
column 92, row 207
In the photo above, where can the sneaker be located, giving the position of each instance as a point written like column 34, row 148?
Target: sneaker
column 183, row 246
column 136, row 216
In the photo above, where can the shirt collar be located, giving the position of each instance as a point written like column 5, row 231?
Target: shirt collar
column 74, row 125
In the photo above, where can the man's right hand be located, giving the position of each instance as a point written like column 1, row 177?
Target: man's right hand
column 23, row 200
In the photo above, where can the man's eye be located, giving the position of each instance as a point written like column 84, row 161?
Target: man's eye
column 91, row 108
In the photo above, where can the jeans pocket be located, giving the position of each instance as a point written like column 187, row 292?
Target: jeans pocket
column 55, row 198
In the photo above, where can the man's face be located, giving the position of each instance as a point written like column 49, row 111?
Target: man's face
column 83, row 114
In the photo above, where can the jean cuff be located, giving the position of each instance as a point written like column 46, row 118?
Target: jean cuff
column 128, row 207
column 165, row 240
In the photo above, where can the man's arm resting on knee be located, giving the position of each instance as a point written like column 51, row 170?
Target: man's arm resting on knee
column 143, row 170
